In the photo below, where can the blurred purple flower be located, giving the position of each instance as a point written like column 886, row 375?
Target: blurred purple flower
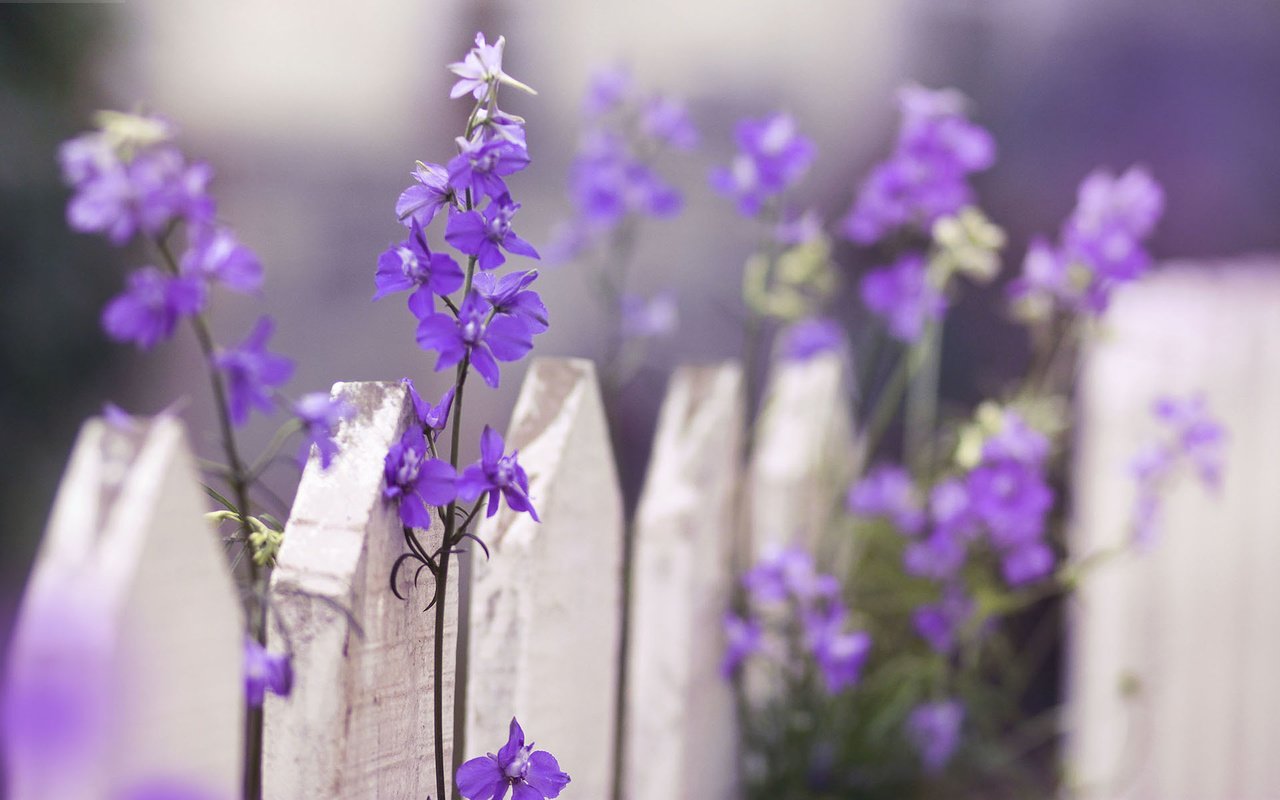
column 411, row 266
column 415, row 481
column 796, row 229
column 165, row 789
column 497, row 475
column 743, row 638
column 264, row 671
column 429, row 194
column 1026, row 562
column 1194, row 437
column 251, row 371
column 530, row 774
column 485, row 236
column 902, row 295
column 840, row 658
column 888, row 491
column 473, row 335
column 666, row 120
column 607, row 89
column 780, row 574
column 938, row 623
column 772, row 156
column 934, row 730
column 216, row 255
column 1011, row 499
column 320, row 415
column 939, row 556
column 807, row 338
column 645, row 319
column 148, row 310
column 607, row 183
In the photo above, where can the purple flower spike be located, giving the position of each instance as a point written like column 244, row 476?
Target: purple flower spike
column 265, row 672
column 934, row 730
column 147, row 312
column 512, row 296
column 888, row 491
column 502, row 338
column 743, row 638
column 251, row 371
column 497, row 475
column 416, row 481
column 902, row 295
column 809, row 338
column 320, row 415
column 480, row 165
column 421, row 202
column 840, row 658
column 411, row 266
column 530, row 774
column 216, row 255
column 486, row 236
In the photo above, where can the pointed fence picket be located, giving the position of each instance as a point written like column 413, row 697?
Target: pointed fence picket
column 804, row 452
column 125, row 667
column 680, row 738
column 360, row 719
column 545, row 618
column 1173, row 651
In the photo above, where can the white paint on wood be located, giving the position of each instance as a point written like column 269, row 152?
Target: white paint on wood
column 804, row 453
column 1196, row 619
column 129, row 643
column 360, row 720
column 546, row 607
column 681, row 732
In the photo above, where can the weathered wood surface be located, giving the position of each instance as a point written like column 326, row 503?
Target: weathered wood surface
column 804, row 452
column 681, row 733
column 359, row 722
column 546, row 608
column 1195, row 619
column 126, row 663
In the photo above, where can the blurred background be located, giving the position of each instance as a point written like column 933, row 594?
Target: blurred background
column 313, row 114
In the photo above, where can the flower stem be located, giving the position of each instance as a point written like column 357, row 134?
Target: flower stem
column 922, row 400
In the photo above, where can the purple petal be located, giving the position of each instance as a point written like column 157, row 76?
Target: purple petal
column 545, row 775
column 515, row 734
column 437, row 482
column 480, row 778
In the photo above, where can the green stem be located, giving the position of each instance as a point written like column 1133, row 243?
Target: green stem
column 922, row 401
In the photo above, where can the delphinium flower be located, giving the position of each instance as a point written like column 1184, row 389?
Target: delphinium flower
column 772, row 156
column 903, row 296
column 510, row 295
column 217, row 256
column 487, row 235
column 888, row 491
column 415, row 481
column 808, row 338
column 1102, row 246
column 743, row 638
column 428, row 195
column 265, row 671
column 496, row 475
column 477, row 335
column 320, row 414
column 934, row 730
column 517, row 768
column 1194, row 439
column 926, row 177
column 252, row 371
column 411, row 266
column 938, row 623
column 647, row 318
column 431, row 418
column 148, row 312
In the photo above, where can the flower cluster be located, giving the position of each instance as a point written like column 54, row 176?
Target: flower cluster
column 1101, row 247
column 934, row 730
column 903, row 295
column 803, row 608
column 517, row 768
column 772, row 157
column 1193, row 439
column 926, row 177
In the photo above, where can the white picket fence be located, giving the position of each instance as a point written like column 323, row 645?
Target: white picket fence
column 540, row 635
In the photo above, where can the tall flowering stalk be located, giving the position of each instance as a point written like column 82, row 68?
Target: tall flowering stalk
column 472, row 319
column 130, row 182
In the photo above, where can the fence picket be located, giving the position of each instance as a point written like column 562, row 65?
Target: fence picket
column 544, row 623
column 681, row 733
column 126, row 663
column 1196, row 619
column 359, row 721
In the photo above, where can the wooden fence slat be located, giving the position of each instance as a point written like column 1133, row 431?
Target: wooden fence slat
column 1196, row 618
column 359, row 721
column 546, row 608
column 804, row 454
column 681, row 732
column 127, row 657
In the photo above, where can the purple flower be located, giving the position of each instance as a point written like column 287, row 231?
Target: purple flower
column 1011, row 499
column 320, row 414
column 772, row 156
column 797, row 229
column 780, row 574
column 216, row 255
column 498, row 475
column 902, row 295
column 411, row 266
column 840, row 658
column 251, row 371
column 934, row 730
column 1111, row 218
column 430, row 193
column 647, row 319
column 148, row 310
column 485, row 237
column 512, row 296
column 1026, row 562
column 1194, row 437
column 1016, row 441
column 265, row 672
column 530, row 774
column 481, row 67
column 416, row 481
column 607, row 89
column 429, row 416
column 743, row 638
column 480, row 165
column 666, row 120
column 937, row 623
column 474, row 335
column 888, row 491
column 608, row 183
column 808, row 338
column 940, row 555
